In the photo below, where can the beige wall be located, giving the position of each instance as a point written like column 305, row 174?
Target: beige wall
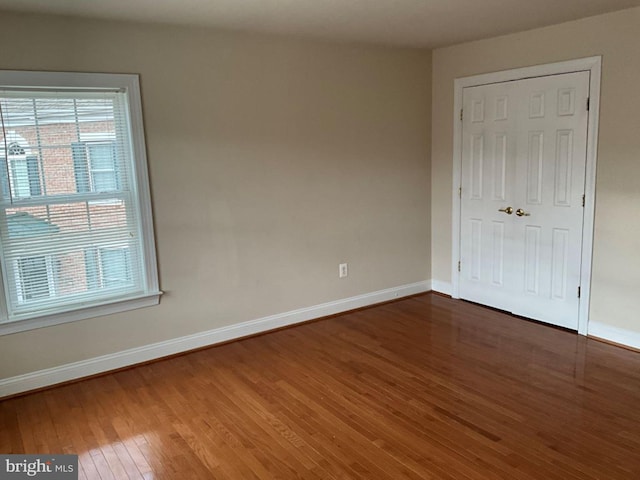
column 616, row 264
column 271, row 160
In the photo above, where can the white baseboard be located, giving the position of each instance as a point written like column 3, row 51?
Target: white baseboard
column 125, row 358
column 614, row 334
column 441, row 287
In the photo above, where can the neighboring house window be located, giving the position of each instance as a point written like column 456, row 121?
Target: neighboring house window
column 36, row 278
column 76, row 234
column 115, row 267
column 108, row 267
column 20, row 175
column 95, row 166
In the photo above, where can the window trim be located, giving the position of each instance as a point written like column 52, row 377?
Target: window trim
column 81, row 313
column 130, row 84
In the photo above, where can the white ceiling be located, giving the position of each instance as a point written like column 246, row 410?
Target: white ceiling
column 420, row 23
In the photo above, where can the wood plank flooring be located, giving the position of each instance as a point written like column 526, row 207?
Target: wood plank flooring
column 423, row 388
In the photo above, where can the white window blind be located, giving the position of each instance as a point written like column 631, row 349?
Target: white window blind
column 74, row 223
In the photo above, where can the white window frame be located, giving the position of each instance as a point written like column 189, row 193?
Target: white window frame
column 128, row 83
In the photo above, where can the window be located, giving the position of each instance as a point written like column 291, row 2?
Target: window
column 36, row 278
column 108, row 267
column 95, row 166
column 102, row 166
column 115, row 267
column 20, row 170
column 76, row 231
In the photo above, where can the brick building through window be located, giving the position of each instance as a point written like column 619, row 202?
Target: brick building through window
column 76, row 233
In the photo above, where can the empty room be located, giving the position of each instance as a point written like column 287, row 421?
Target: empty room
column 320, row 240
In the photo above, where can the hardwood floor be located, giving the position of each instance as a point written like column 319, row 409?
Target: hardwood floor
column 423, row 388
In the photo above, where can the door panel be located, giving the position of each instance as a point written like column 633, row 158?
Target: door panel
column 488, row 152
column 524, row 147
column 497, row 260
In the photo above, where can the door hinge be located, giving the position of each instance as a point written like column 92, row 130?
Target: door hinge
column 583, row 200
column 461, row 114
column 588, row 103
column 458, row 265
column 579, row 291
column 459, row 192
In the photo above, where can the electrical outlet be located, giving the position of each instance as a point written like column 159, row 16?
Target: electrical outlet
column 343, row 270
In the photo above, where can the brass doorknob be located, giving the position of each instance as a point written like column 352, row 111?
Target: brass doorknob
column 508, row 210
column 521, row 213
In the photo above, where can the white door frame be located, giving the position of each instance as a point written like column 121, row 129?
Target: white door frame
column 590, row 64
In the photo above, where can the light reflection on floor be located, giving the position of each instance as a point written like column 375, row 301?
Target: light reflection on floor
column 139, row 453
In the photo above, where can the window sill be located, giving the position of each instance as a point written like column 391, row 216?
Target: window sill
column 83, row 313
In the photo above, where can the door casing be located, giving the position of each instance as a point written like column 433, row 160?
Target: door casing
column 590, row 64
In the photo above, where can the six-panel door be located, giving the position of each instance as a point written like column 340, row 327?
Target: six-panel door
column 524, row 147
